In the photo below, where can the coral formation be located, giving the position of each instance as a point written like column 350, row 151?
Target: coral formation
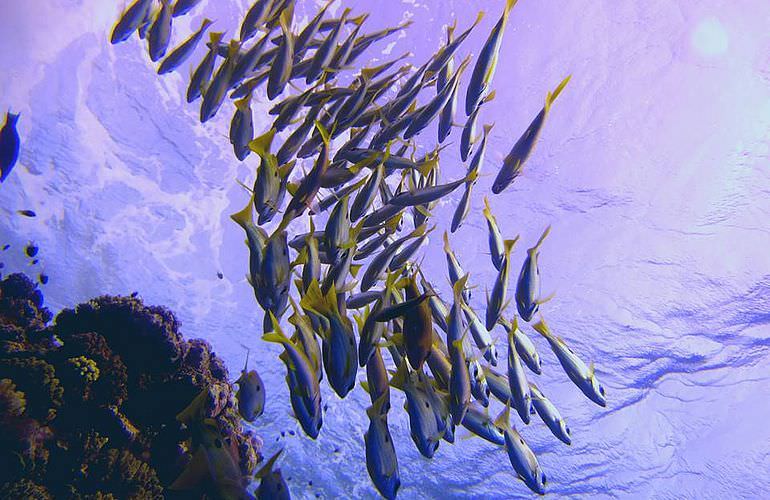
column 88, row 403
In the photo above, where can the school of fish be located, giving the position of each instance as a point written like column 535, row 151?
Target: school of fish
column 350, row 290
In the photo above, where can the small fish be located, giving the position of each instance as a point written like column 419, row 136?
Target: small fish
column 379, row 265
column 522, row 150
column 459, row 383
column 444, row 56
column 455, row 269
column 424, row 116
column 426, row 430
column 522, row 457
column 365, row 41
column 311, row 183
column 220, row 275
column 343, row 54
column 272, row 485
column 524, row 345
column 438, row 308
column 255, row 17
column 272, row 285
column 324, row 53
column 130, row 20
column 468, row 137
column 220, row 83
column 335, row 196
column 295, row 140
column 478, row 422
column 204, row 70
column 377, row 383
column 479, row 386
column 283, row 62
column 31, row 250
column 43, row 279
column 550, row 415
column 365, row 197
column 6, row 247
column 481, row 336
column 214, row 465
column 381, row 460
column 497, row 302
column 9, row 145
column 360, row 300
column 182, row 7
column 159, row 35
column 242, row 128
column 339, row 343
column 309, row 31
column 250, row 394
column 583, row 376
column 180, row 54
column 498, row 385
column 462, row 209
column 528, row 285
column 428, row 194
column 311, row 267
column 256, row 239
column 418, row 327
column 517, row 381
column 495, row 239
column 146, row 23
column 486, row 62
column 304, row 336
column 403, row 257
column 272, row 180
column 27, row 213
column 337, row 231
column 370, row 331
column 303, row 379
column 247, row 63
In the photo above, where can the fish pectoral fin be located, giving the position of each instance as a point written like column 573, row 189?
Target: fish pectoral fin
column 543, row 300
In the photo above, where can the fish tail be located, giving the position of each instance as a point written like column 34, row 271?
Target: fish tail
column 459, row 287
column 553, row 95
column 503, row 420
column 245, row 217
column 487, row 210
column 399, row 378
column 488, row 128
column 277, row 336
column 358, row 21
column 509, row 244
column 261, row 145
column 536, row 248
column 447, row 248
column 509, row 4
column 268, row 467
column 206, row 23
column 542, row 328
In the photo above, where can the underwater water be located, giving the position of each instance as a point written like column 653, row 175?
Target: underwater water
column 652, row 169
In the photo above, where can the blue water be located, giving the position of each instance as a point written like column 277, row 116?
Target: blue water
column 653, row 171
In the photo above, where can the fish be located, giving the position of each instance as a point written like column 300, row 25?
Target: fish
column 214, row 465
column 324, row 53
column 255, row 17
column 27, row 213
column 242, row 128
column 365, row 41
column 311, row 268
column 335, row 196
column 418, row 327
column 337, row 231
column 220, row 83
column 311, row 183
column 550, row 415
column 462, row 209
column 423, row 117
column 250, row 394
column 307, row 405
column 366, row 195
column 438, row 308
column 342, row 55
column 498, row 385
column 291, row 107
column 146, row 23
column 9, row 145
column 513, row 163
column 379, row 264
column 130, row 20
column 522, row 457
column 181, row 53
column 182, row 7
column 204, row 70
column 428, row 194
column 481, row 336
column 497, row 302
column 283, row 63
column 446, row 117
column 381, row 460
column 272, row 485
column 339, row 342
column 426, row 430
column 256, row 239
column 479, row 423
column 459, row 382
column 31, row 250
column 271, row 182
column 402, row 258
column 247, row 64
column 495, row 238
column 371, row 331
column 528, row 298
column 468, row 136
column 455, row 269
column 159, row 35
column 272, row 284
column 295, row 140
column 581, row 375
column 360, row 300
column 486, row 62
column 444, row 56
column 309, row 31
column 524, row 345
column 377, row 383
column 304, row 337
column 517, row 381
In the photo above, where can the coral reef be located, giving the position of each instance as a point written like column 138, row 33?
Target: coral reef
column 88, row 402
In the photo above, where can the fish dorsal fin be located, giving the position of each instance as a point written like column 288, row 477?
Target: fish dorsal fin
column 503, row 420
column 268, row 467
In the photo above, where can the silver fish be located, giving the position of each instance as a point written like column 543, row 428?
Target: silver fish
column 522, row 457
column 130, row 20
column 203, row 72
column 517, row 380
column 583, row 376
column 524, row 345
column 430, row 193
column 495, row 239
column 159, row 35
column 283, row 62
column 255, row 17
column 184, row 50
column 521, row 151
column 324, row 53
column 497, row 302
column 182, row 7
column 426, row 430
column 272, row 486
column 498, row 385
column 379, row 265
column 381, row 460
column 550, row 415
column 220, row 83
column 242, row 128
column 468, row 137
column 459, row 383
column 479, row 423
column 366, row 195
column 528, row 298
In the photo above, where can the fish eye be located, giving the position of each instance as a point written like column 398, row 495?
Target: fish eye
column 566, row 429
column 545, row 480
column 601, row 390
column 387, row 439
column 218, row 443
column 259, row 388
column 427, row 405
column 521, row 441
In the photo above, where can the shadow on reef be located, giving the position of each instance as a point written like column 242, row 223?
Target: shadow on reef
column 89, row 403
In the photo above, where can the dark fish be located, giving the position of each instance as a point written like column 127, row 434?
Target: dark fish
column 517, row 381
column 444, row 56
column 468, row 136
column 242, row 128
column 521, row 151
column 220, row 275
column 334, row 197
column 486, row 62
column 359, row 300
column 272, row 485
column 365, row 41
column 27, row 213
column 182, row 7
column 248, row 62
column 184, row 50
column 430, row 193
column 9, row 145
column 381, row 460
column 31, row 250
column 250, row 394
column 528, row 298
column 284, row 59
column 446, row 118
column 202, row 74
column 324, row 53
column 130, row 20
column 43, row 278
column 342, row 56
column 311, row 183
column 159, row 35
column 418, row 327
column 459, row 380
column 255, row 18
column 522, row 457
column 497, row 302
column 220, row 83
column 294, row 142
column 377, row 383
column 379, row 265
column 309, row 31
